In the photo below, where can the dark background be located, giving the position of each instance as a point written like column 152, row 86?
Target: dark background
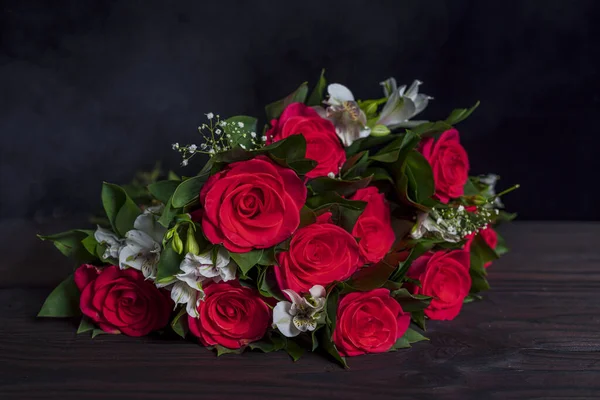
column 95, row 90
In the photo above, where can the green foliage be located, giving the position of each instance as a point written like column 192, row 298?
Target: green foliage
column 163, row 190
column 180, row 323
column 168, row 265
column 241, row 135
column 267, row 284
column 481, row 254
column 246, row 261
column 293, row 349
column 120, row 209
column 460, row 114
column 343, row 212
column 397, row 151
column 409, row 337
column 368, row 143
column 86, row 325
column 224, row 350
column 420, row 248
column 316, row 96
column 344, row 188
column 275, row 109
column 63, row 301
column 434, row 128
column 78, row 244
column 188, row 191
column 411, row 302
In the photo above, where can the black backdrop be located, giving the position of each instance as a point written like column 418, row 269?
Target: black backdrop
column 93, row 90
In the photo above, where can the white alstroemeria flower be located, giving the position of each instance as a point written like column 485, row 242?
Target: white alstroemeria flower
column 195, row 269
column 349, row 120
column 182, row 293
column 112, row 242
column 402, row 104
column 440, row 228
column 143, row 244
column 302, row 314
column 490, row 180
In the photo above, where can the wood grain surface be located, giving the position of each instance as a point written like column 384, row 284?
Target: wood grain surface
column 536, row 335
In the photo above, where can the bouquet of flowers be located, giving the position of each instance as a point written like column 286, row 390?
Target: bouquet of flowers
column 342, row 227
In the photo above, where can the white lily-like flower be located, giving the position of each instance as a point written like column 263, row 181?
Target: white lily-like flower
column 143, row 244
column 186, row 287
column 196, row 269
column 349, row 120
column 402, row 104
column 302, row 314
column 426, row 225
column 490, row 180
column 182, row 293
column 112, row 242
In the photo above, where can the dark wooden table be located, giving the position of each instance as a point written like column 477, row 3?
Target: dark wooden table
column 536, row 335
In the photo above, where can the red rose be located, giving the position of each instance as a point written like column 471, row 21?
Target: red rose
column 251, row 204
column 445, row 277
column 368, row 322
column 374, row 226
column 122, row 300
column 488, row 235
column 322, row 143
column 230, row 315
column 449, row 163
column 319, row 254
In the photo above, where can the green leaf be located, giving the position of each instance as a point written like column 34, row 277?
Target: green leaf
column 224, row 350
column 168, row 265
column 246, row 261
column 378, row 174
column 332, row 305
column 471, row 298
column 418, row 317
column 97, row 332
column 501, row 248
column 267, row 284
column 418, row 250
column 188, row 191
column 316, row 96
column 397, row 150
column 163, row 190
column 293, row 349
column 342, row 187
column 90, row 244
column 314, row 338
column 180, row 323
column 344, row 212
column 307, row 217
column 169, row 212
column 71, row 244
column 63, row 301
column 413, row 336
column 355, row 165
column 85, row 325
column 421, row 185
column 368, row 143
column 289, row 152
column 120, row 209
column 372, row 277
column 411, row 302
column 275, row 109
column 329, row 346
column 241, row 135
column 431, row 128
column 460, row 114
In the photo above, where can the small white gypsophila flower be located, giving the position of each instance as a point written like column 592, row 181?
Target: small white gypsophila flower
column 210, row 115
column 192, row 148
column 175, row 146
column 242, row 146
column 331, row 175
column 241, row 124
column 218, row 131
column 184, row 163
column 253, row 134
column 264, row 138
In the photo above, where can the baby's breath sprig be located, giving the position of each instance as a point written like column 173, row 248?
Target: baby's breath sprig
column 214, row 140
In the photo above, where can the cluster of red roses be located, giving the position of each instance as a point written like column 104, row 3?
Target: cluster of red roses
column 256, row 204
